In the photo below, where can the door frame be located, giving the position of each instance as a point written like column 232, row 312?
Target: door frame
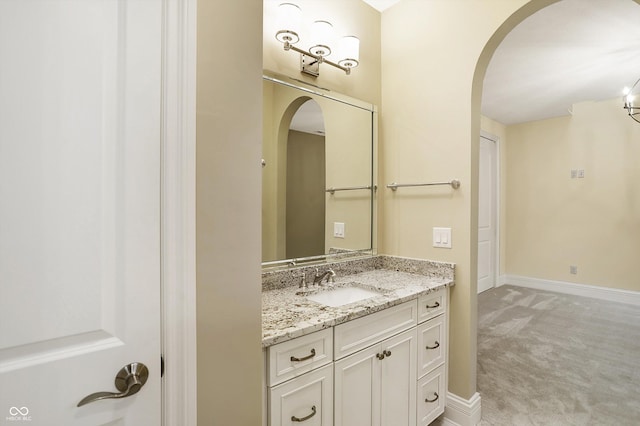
column 495, row 139
column 178, row 223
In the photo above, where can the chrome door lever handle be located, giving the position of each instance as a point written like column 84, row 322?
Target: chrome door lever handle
column 128, row 381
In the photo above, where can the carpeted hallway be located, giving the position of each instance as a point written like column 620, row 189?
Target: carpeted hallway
column 554, row 359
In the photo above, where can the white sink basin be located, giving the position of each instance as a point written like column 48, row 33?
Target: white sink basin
column 342, row 296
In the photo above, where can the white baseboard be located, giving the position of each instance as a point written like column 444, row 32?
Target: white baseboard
column 502, row 280
column 595, row 292
column 462, row 412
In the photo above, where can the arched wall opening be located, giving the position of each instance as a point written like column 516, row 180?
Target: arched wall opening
column 483, row 61
column 432, row 79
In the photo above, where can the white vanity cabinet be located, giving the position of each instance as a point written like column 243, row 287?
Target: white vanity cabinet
column 387, row 368
column 375, row 368
column 432, row 333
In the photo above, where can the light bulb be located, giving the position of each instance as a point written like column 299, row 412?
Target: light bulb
column 349, row 51
column 289, row 16
column 321, row 38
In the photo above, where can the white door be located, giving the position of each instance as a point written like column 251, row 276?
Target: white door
column 487, row 215
column 79, row 209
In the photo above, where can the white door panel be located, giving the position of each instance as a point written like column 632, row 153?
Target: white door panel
column 79, row 209
column 487, row 215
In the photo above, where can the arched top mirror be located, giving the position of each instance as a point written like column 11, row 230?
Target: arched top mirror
column 318, row 176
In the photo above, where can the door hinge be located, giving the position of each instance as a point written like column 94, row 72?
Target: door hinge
column 161, row 366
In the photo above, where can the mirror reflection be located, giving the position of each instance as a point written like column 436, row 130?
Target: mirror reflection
column 318, row 173
column 305, row 194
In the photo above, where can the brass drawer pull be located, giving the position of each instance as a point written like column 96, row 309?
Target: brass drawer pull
column 302, row 419
column 436, row 346
column 437, row 305
column 434, row 399
column 313, row 353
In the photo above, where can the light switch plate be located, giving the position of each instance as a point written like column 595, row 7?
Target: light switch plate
column 442, row 237
column 338, row 229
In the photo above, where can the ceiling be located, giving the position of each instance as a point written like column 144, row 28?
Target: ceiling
column 381, row 4
column 571, row 51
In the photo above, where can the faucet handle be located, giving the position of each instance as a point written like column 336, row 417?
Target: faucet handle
column 331, row 277
column 303, row 282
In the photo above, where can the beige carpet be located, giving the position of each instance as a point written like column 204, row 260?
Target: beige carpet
column 553, row 359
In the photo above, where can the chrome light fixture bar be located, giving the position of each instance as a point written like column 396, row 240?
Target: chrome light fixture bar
column 321, row 40
column 632, row 101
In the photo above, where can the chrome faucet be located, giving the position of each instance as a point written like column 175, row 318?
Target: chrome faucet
column 303, row 282
column 317, row 280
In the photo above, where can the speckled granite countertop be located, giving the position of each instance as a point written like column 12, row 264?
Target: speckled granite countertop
column 287, row 314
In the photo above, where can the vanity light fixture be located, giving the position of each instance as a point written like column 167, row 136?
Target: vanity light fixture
column 632, row 101
column 289, row 22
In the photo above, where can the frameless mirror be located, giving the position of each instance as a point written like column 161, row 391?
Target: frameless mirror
column 318, row 186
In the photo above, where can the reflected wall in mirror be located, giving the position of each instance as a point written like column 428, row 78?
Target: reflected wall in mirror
column 315, row 141
column 305, row 189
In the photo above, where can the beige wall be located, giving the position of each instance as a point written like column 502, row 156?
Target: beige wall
column 305, row 194
column 554, row 221
column 228, row 182
column 430, row 124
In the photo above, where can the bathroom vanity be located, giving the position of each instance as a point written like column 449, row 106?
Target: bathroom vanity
column 367, row 349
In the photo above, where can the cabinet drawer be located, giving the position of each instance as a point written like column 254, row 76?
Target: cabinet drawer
column 432, row 344
column 297, row 356
column 308, row 399
column 360, row 333
column 431, row 396
column 432, row 304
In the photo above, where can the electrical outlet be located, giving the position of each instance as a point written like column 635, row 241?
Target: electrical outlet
column 581, row 174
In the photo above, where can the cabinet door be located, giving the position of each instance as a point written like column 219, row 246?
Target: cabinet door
column 357, row 389
column 432, row 344
column 398, row 380
column 306, row 400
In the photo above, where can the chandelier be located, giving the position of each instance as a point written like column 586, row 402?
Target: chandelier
column 632, row 101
